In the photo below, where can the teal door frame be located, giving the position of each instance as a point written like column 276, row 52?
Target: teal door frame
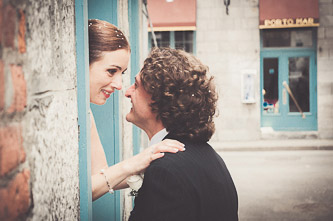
column 134, row 26
column 285, row 120
column 107, row 118
column 82, row 66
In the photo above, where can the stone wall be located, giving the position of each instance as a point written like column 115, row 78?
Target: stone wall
column 38, row 110
column 325, row 70
column 229, row 44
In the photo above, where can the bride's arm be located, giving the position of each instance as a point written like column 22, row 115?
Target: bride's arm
column 117, row 174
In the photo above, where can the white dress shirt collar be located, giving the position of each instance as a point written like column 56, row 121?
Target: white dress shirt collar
column 158, row 137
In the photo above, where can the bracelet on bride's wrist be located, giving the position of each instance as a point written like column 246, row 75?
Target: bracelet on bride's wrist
column 111, row 191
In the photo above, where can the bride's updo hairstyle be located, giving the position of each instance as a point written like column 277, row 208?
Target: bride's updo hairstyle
column 104, row 37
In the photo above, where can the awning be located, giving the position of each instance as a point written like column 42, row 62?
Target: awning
column 288, row 13
column 172, row 15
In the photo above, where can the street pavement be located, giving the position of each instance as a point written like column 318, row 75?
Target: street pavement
column 283, row 185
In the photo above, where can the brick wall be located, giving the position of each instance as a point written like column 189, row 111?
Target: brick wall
column 14, row 172
column 39, row 177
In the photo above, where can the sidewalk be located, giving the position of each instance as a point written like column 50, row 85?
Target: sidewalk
column 276, row 144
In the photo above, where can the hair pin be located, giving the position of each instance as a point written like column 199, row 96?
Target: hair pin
column 119, row 46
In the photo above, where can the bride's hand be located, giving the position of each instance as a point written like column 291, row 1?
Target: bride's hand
column 141, row 161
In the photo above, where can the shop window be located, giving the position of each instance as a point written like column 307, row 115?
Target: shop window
column 162, row 38
column 287, row 38
column 289, row 79
column 183, row 40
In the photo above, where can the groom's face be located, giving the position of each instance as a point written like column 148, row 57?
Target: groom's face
column 140, row 113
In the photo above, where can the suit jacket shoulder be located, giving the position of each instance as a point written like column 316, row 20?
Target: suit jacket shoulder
column 190, row 185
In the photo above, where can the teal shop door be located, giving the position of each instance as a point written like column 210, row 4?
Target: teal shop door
column 288, row 81
column 107, row 122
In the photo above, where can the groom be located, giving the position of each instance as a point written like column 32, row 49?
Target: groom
column 173, row 97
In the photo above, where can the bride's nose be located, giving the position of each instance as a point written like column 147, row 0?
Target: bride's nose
column 117, row 82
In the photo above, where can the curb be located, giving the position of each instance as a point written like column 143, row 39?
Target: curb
column 273, row 145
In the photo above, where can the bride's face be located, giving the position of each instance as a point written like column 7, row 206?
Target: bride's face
column 105, row 75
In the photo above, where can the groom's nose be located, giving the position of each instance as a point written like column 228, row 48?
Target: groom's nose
column 129, row 91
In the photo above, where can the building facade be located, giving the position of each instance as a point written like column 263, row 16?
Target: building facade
column 272, row 63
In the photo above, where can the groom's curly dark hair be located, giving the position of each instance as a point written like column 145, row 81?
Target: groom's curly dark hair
column 183, row 96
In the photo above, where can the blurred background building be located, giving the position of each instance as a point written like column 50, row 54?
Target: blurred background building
column 272, row 62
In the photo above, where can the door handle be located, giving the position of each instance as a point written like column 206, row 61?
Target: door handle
column 284, row 96
column 294, row 99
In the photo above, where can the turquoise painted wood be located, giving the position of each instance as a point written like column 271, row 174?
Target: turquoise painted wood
column 133, row 17
column 82, row 64
column 286, row 120
column 107, row 121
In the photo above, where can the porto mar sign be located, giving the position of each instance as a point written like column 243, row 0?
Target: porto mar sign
column 288, row 23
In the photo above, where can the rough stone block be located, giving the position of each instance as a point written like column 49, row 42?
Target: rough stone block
column 9, row 23
column 326, row 20
column 321, row 33
column 329, row 33
column 21, row 33
column 17, row 195
column 326, row 9
column 2, row 85
column 20, row 90
column 11, row 149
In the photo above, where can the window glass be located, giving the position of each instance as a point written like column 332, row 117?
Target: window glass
column 301, row 38
column 276, row 38
column 271, row 86
column 287, row 38
column 182, row 40
column 299, row 84
column 162, row 38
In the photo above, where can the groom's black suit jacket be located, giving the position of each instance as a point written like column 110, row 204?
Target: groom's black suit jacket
column 187, row 186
